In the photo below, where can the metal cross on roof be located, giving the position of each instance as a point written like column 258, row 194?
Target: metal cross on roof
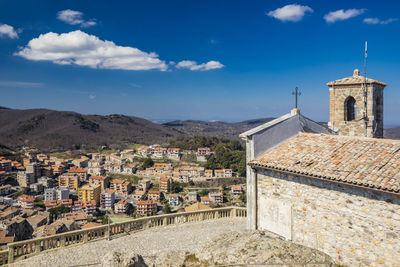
column 297, row 93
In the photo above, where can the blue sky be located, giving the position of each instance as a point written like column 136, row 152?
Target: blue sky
column 207, row 60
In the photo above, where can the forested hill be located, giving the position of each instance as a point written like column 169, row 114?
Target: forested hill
column 50, row 130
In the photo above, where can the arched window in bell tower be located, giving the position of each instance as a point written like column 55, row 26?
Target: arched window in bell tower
column 350, row 109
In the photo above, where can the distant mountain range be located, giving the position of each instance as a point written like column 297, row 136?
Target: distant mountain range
column 50, row 130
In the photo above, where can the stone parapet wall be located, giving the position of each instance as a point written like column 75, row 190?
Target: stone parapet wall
column 353, row 225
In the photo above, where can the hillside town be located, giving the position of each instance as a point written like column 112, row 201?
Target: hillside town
column 46, row 194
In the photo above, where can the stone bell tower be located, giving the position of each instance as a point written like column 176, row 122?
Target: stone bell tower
column 356, row 106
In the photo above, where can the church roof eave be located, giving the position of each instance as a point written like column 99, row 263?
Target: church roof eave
column 264, row 126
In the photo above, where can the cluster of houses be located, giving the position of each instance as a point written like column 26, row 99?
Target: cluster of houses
column 184, row 173
column 158, row 152
column 68, row 194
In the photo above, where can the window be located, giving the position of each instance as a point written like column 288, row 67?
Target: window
column 377, row 108
column 350, row 109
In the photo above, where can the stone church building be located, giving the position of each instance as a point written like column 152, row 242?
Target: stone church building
column 332, row 189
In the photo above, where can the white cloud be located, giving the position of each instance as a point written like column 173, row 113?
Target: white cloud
column 7, row 30
column 378, row 21
column 192, row 65
column 19, row 84
column 80, row 48
column 73, row 17
column 91, row 97
column 292, row 13
column 135, row 85
column 341, row 14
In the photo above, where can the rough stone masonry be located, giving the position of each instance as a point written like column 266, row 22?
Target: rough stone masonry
column 353, row 225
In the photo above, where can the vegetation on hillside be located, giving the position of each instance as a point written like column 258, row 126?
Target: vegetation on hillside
column 131, row 178
column 228, row 154
column 147, row 163
column 194, row 142
column 30, row 124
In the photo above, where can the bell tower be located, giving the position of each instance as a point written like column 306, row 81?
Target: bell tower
column 356, row 106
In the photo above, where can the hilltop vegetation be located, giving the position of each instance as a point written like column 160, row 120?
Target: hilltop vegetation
column 52, row 131
column 228, row 154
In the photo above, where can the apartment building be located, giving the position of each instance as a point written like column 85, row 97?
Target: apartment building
column 159, row 152
column 144, row 151
column 224, row 173
column 26, row 202
column 5, row 165
column 121, row 186
column 57, row 193
column 205, row 200
column 89, row 193
column 216, row 198
column 81, row 163
column 208, row 173
column 144, row 185
column 236, row 190
column 5, row 189
column 34, row 167
column 80, row 172
column 89, row 207
column 69, row 180
column 107, row 199
column 203, row 153
column 95, row 167
column 103, row 181
column 165, row 184
column 174, row 153
column 192, row 196
column 47, row 171
column 2, row 176
column 174, row 200
column 122, row 206
column 154, row 195
column 36, row 188
column 58, row 169
column 25, row 179
column 146, row 208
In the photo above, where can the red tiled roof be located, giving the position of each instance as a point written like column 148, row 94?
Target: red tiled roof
column 26, row 198
column 77, row 170
column 146, row 202
column 119, row 181
column 123, row 202
column 90, row 225
column 367, row 162
column 237, row 187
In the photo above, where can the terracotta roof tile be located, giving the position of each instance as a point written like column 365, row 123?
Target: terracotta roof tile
column 368, row 162
column 354, row 80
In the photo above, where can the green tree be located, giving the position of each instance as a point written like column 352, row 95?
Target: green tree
column 167, row 208
column 176, row 187
column 147, row 163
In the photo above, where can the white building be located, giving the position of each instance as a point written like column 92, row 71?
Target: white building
column 57, row 193
column 107, row 199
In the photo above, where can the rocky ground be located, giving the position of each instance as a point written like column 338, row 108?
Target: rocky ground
column 197, row 244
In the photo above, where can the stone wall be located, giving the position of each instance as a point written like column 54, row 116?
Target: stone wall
column 338, row 96
column 353, row 225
